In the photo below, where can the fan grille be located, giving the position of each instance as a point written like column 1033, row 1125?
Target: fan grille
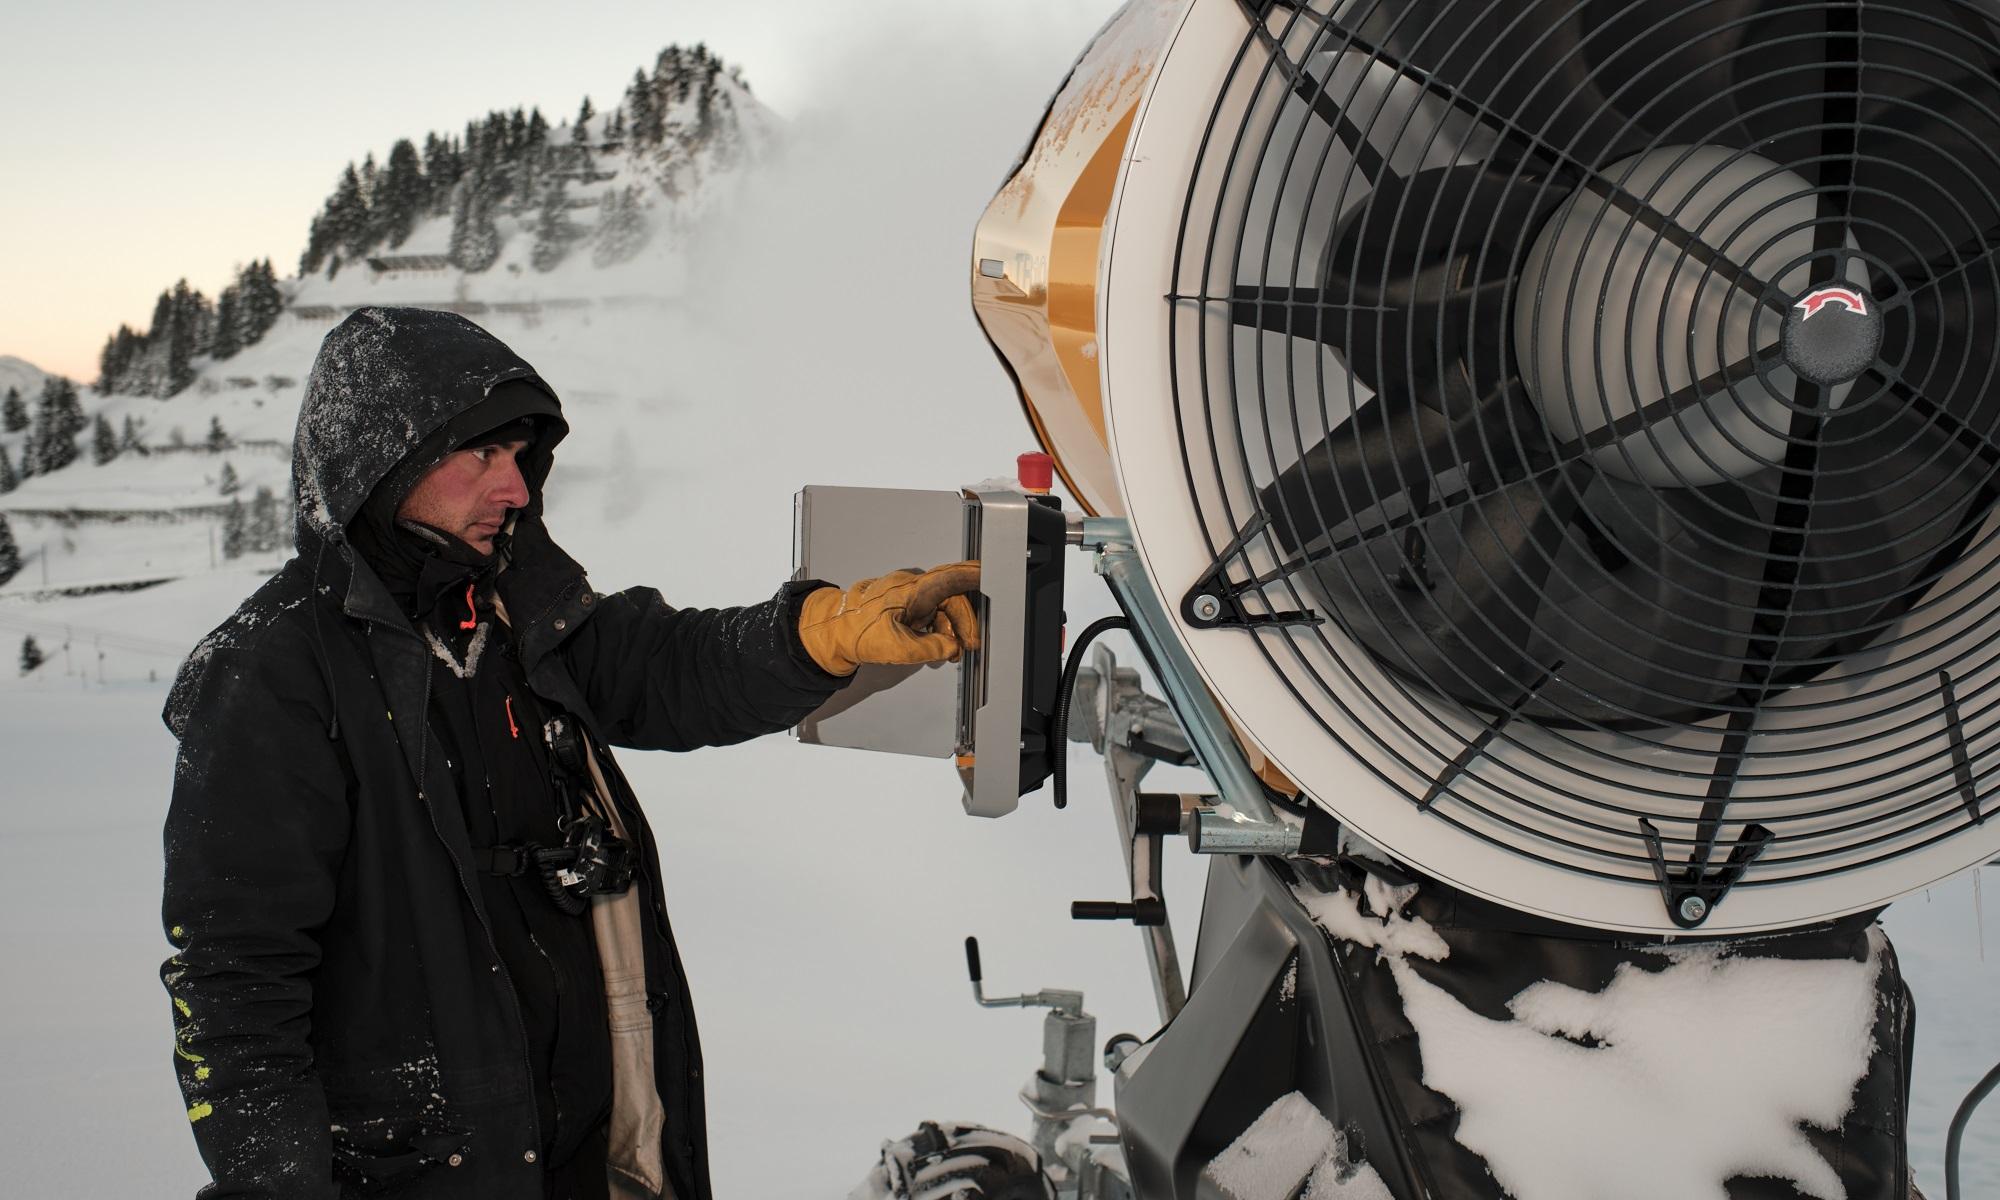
column 1615, row 384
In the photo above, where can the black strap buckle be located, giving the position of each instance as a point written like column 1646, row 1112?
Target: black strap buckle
column 510, row 859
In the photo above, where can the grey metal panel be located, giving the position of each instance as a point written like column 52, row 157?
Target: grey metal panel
column 844, row 534
column 998, row 670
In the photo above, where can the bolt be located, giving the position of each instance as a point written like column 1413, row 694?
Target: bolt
column 1207, row 607
column 1693, row 909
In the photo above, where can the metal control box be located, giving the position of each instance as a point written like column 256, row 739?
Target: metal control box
column 992, row 712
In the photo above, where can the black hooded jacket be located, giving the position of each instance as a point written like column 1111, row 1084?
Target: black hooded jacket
column 343, row 1022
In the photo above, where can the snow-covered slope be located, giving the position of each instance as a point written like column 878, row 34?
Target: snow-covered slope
column 141, row 518
column 21, row 374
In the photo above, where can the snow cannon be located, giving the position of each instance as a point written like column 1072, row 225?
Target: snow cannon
column 1545, row 453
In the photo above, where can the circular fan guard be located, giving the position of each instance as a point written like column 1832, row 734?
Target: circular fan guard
column 1615, row 383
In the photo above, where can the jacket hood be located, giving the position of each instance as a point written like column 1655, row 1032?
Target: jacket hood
column 385, row 381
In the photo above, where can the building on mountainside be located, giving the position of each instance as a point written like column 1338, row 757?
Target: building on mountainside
column 409, row 264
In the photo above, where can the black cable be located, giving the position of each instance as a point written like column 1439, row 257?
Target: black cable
column 1064, row 691
column 1958, row 1120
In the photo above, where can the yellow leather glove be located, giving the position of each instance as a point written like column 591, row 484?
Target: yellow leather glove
column 904, row 617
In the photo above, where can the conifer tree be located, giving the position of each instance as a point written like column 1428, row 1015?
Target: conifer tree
column 103, row 442
column 229, row 484
column 130, row 440
column 346, row 215
column 475, row 240
column 8, row 480
column 443, row 165
column 31, row 654
column 218, row 438
column 399, row 195
column 621, row 228
column 10, row 566
column 58, row 419
column 259, row 302
column 107, row 367
column 14, row 412
column 579, row 133
column 648, row 123
column 228, row 325
column 235, row 530
column 264, row 532
column 555, row 233
column 319, row 243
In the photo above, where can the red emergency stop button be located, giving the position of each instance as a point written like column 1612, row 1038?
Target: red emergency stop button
column 1036, row 472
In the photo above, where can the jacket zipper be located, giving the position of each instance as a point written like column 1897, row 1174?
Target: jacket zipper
column 465, row 885
column 555, row 1097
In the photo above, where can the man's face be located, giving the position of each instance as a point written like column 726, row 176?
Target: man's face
column 469, row 494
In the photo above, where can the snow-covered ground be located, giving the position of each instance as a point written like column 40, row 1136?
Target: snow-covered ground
column 815, row 329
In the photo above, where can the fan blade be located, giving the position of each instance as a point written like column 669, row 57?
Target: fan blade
column 1314, row 91
column 1497, row 556
column 1896, row 499
column 1927, row 184
column 1390, row 452
column 1541, row 64
column 1938, row 355
column 1653, row 623
column 1423, row 306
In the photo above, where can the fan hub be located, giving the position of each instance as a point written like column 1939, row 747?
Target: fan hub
column 1612, row 320
column 1833, row 335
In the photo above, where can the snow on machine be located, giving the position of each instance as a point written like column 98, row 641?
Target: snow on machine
column 1546, row 453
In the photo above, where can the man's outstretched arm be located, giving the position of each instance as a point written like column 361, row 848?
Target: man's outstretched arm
column 254, row 839
column 663, row 678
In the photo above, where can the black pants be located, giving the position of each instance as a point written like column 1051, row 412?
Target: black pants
column 582, row 1177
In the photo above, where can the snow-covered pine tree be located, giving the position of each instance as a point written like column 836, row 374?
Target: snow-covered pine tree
column 475, row 239
column 579, row 133
column 13, row 411
column 264, row 532
column 259, row 302
column 130, row 439
column 648, row 122
column 228, row 337
column 229, row 484
column 31, row 654
column 555, row 233
column 399, row 194
column 8, row 480
column 115, row 363
column 10, row 554
column 218, row 438
column 235, row 529
column 59, row 418
column 183, row 331
column 443, row 165
column 622, row 229
column 319, row 243
column 346, row 215
column 200, row 315
column 103, row 442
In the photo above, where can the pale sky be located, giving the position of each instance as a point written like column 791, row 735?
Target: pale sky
column 143, row 142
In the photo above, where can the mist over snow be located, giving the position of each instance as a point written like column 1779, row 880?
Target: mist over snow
column 800, row 316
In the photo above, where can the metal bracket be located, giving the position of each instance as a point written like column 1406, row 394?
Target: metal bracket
column 1693, row 893
column 1156, row 817
column 1214, row 602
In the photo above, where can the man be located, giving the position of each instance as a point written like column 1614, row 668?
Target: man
column 421, row 940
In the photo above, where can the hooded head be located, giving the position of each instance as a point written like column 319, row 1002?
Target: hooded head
column 393, row 391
